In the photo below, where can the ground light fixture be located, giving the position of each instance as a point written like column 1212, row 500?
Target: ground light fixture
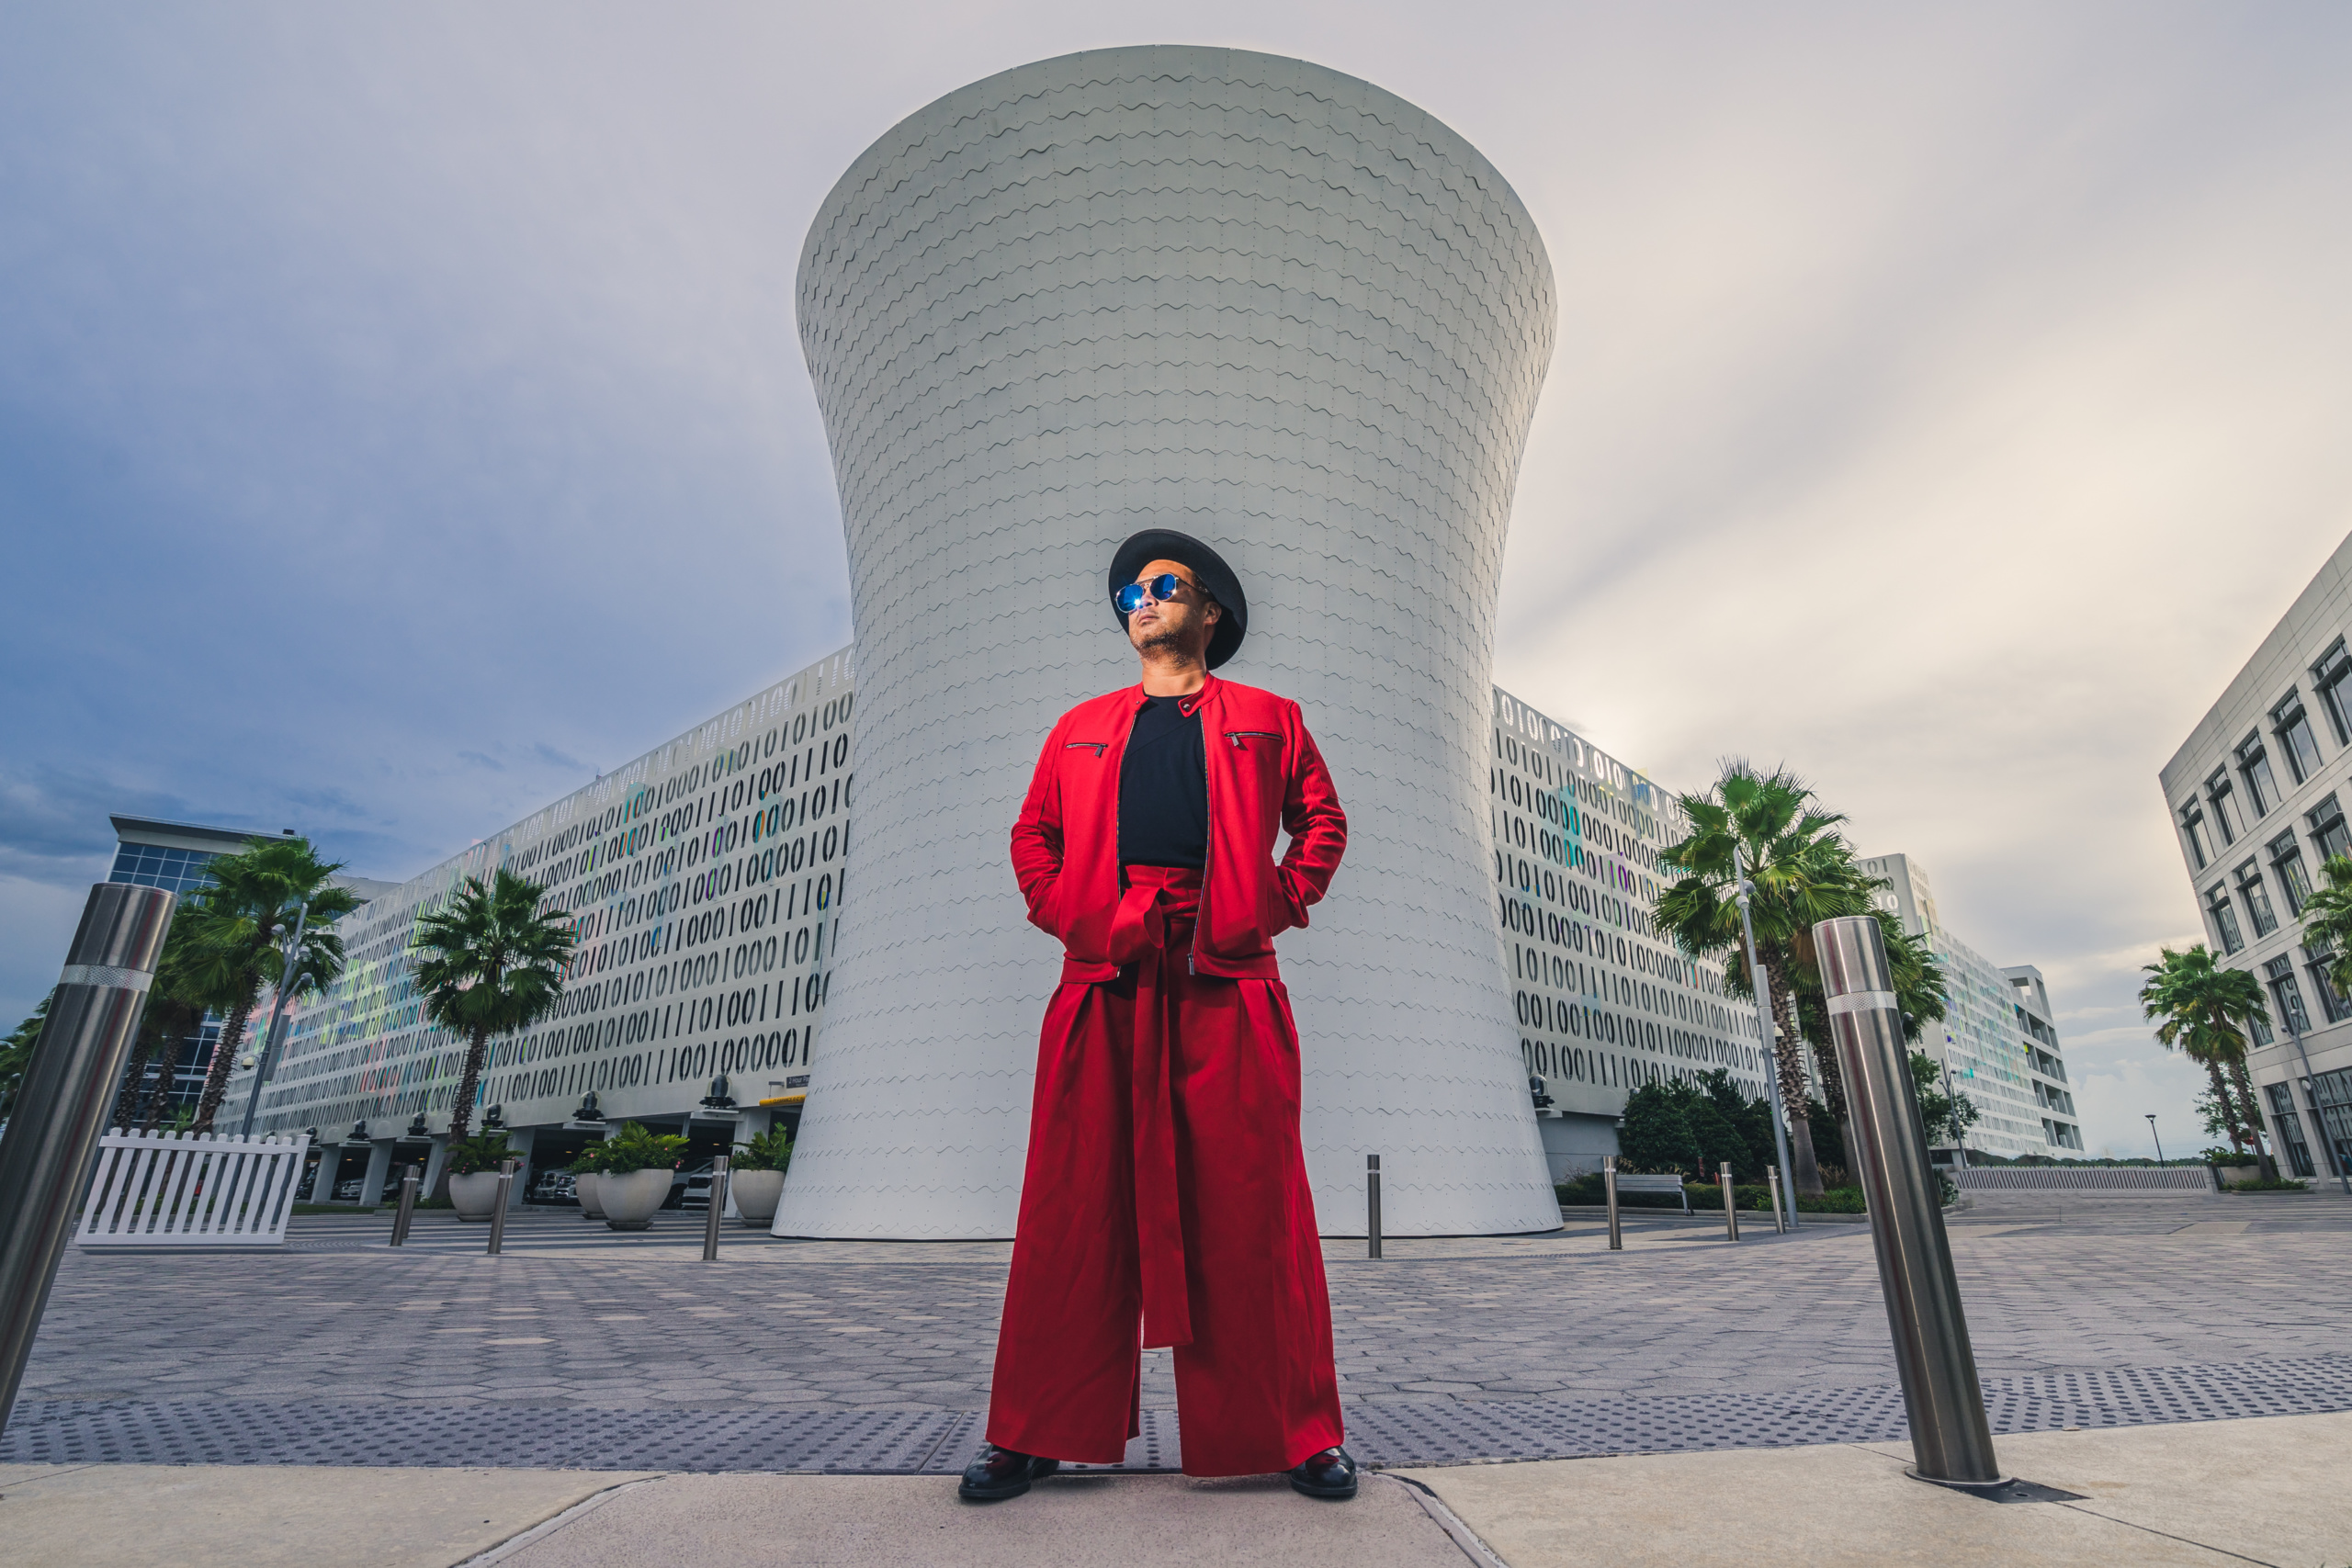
column 357, row 1138
column 417, row 1128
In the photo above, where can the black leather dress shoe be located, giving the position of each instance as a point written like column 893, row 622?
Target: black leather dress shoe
column 1330, row 1474
column 997, row 1473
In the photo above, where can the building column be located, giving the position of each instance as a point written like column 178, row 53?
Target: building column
column 433, row 1162
column 521, row 1142
column 323, row 1184
column 380, row 1161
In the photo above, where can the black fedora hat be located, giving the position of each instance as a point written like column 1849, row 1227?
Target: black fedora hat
column 1208, row 568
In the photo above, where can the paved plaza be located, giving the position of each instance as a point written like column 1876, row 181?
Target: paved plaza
column 2085, row 1310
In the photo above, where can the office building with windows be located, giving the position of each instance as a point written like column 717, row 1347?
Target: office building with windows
column 1997, row 1042
column 2256, row 797
column 1604, row 1004
column 172, row 856
column 707, row 880
column 703, row 879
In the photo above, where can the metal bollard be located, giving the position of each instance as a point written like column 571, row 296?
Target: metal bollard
column 402, row 1218
column 1951, row 1440
column 498, row 1214
column 718, row 1207
column 1731, row 1206
column 1372, row 1201
column 1609, row 1185
column 1780, row 1220
column 68, row 1087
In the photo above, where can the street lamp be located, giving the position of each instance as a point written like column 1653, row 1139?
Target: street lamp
column 2151, row 1132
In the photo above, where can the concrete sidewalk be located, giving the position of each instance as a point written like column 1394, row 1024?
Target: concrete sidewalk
column 2263, row 1491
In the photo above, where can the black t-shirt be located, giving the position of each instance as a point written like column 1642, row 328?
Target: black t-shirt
column 1164, row 789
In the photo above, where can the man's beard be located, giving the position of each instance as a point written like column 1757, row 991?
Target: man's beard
column 1167, row 640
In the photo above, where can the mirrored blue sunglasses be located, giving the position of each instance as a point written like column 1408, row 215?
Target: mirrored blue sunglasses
column 1130, row 596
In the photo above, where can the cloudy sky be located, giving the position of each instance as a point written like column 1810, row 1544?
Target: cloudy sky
column 400, row 416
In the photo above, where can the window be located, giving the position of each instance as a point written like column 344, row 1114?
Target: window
column 2225, row 918
column 2294, row 731
column 2329, row 674
column 2286, row 995
column 2192, row 828
column 2287, row 862
column 2254, row 767
column 2319, row 960
column 2289, row 1127
column 2329, row 836
column 2257, row 900
column 2219, row 792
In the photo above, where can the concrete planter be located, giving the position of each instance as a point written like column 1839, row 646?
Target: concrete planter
column 586, row 1188
column 756, row 1194
column 631, row 1200
column 474, row 1197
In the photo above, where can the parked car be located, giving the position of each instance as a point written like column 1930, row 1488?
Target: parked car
column 690, row 1188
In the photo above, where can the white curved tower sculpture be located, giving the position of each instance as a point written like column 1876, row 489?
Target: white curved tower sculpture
column 1281, row 310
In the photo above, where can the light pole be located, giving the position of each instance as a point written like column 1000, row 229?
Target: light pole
column 2151, row 1132
column 293, row 959
column 1764, row 1034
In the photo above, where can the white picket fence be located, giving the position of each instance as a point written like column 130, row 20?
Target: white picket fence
column 171, row 1190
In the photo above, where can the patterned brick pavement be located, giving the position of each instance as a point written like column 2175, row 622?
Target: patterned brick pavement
column 575, row 1316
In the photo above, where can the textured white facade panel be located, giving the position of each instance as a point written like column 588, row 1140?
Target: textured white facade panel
column 1281, row 310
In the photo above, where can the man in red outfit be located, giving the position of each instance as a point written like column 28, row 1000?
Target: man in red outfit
column 1165, row 1200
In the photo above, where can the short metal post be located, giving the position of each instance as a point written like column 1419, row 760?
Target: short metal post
column 1779, row 1222
column 498, row 1214
column 1950, row 1439
column 1731, row 1204
column 1372, row 1201
column 407, row 1211
column 68, row 1088
column 718, row 1207
column 1608, row 1186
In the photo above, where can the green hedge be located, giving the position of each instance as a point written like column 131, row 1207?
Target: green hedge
column 1586, row 1191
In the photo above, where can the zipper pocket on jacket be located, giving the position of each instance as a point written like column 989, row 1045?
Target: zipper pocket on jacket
column 1094, row 746
column 1239, row 736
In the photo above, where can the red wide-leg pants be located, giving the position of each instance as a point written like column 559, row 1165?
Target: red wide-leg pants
column 1166, row 1204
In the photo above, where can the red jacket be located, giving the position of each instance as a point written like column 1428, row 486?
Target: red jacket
column 1264, row 774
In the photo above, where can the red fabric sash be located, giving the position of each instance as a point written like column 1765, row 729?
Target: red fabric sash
column 1153, row 931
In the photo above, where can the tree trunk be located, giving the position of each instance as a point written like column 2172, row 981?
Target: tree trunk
column 159, row 1099
column 461, row 1110
column 126, row 1101
column 1790, row 1064
column 461, row 1113
column 2253, row 1109
column 216, row 1072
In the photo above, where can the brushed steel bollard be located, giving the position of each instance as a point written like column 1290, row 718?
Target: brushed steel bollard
column 498, row 1214
column 1780, row 1220
column 1608, row 1186
column 69, row 1087
column 406, row 1213
column 1731, row 1205
column 1372, row 1201
column 1950, row 1439
column 718, row 1207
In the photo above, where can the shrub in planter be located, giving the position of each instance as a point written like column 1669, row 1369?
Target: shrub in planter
column 587, row 1173
column 473, row 1174
column 755, row 1175
column 635, row 1181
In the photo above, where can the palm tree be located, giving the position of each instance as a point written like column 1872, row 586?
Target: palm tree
column 490, row 964
column 1802, row 872
column 2327, row 921
column 16, row 1054
column 2197, row 1006
column 242, row 921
